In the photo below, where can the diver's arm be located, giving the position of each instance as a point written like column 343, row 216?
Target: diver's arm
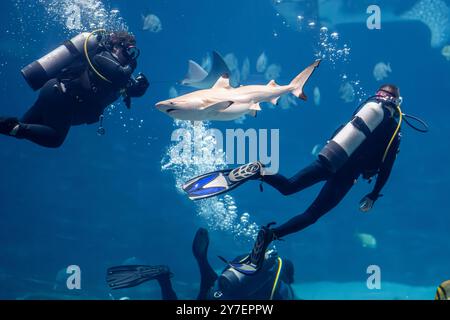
column 385, row 169
column 112, row 69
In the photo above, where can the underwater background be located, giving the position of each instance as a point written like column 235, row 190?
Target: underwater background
column 100, row 201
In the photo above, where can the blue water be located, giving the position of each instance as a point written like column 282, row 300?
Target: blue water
column 98, row 201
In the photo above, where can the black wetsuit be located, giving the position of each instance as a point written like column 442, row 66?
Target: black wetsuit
column 257, row 287
column 63, row 103
column 366, row 161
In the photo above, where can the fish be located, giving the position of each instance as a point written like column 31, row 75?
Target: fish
column 245, row 71
column 317, row 96
column 434, row 14
column 261, row 63
column 273, row 72
column 151, row 23
column 222, row 102
column 381, row 71
column 367, row 240
column 197, row 77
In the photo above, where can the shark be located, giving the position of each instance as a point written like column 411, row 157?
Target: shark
column 199, row 78
column 222, row 102
column 435, row 14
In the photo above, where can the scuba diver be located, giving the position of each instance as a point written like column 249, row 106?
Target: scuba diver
column 77, row 82
column 367, row 146
column 273, row 282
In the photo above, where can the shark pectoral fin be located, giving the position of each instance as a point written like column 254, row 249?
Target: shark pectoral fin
column 195, row 73
column 253, row 113
column 255, row 107
column 217, row 107
column 223, row 82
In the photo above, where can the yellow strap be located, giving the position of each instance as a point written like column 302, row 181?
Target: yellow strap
column 86, row 53
column 395, row 133
column 277, row 277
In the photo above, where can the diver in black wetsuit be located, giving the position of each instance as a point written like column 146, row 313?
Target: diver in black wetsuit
column 80, row 93
column 273, row 282
column 367, row 146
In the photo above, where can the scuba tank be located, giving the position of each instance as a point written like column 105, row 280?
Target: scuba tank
column 233, row 284
column 339, row 149
column 49, row 66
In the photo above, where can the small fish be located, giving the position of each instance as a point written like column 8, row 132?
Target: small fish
column 151, row 23
column 245, row 69
column 367, row 240
column 316, row 96
column 381, row 71
column 273, row 72
column 347, row 92
column 261, row 63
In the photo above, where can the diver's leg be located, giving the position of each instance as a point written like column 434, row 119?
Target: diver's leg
column 48, row 121
column 167, row 292
column 207, row 274
column 329, row 197
column 307, row 177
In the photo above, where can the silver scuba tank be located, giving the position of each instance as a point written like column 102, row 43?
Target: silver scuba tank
column 352, row 135
column 49, row 66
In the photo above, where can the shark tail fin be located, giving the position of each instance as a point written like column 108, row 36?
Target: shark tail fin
column 299, row 81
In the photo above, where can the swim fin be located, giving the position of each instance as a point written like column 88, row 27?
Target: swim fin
column 218, row 182
column 130, row 276
column 253, row 263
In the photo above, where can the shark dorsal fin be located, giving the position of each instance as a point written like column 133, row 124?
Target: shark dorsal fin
column 223, row 82
column 272, row 83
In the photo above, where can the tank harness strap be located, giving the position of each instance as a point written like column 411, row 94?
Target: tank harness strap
column 71, row 47
column 277, row 277
column 395, row 133
column 359, row 124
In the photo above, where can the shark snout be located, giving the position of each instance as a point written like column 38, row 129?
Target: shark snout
column 166, row 106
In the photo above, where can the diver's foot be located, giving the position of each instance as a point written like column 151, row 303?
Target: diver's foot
column 8, row 126
column 255, row 260
column 200, row 250
column 251, row 171
column 200, row 245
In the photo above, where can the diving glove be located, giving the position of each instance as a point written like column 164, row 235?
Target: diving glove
column 366, row 204
column 139, row 86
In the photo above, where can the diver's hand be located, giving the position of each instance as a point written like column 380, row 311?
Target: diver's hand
column 138, row 86
column 142, row 82
column 366, row 204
